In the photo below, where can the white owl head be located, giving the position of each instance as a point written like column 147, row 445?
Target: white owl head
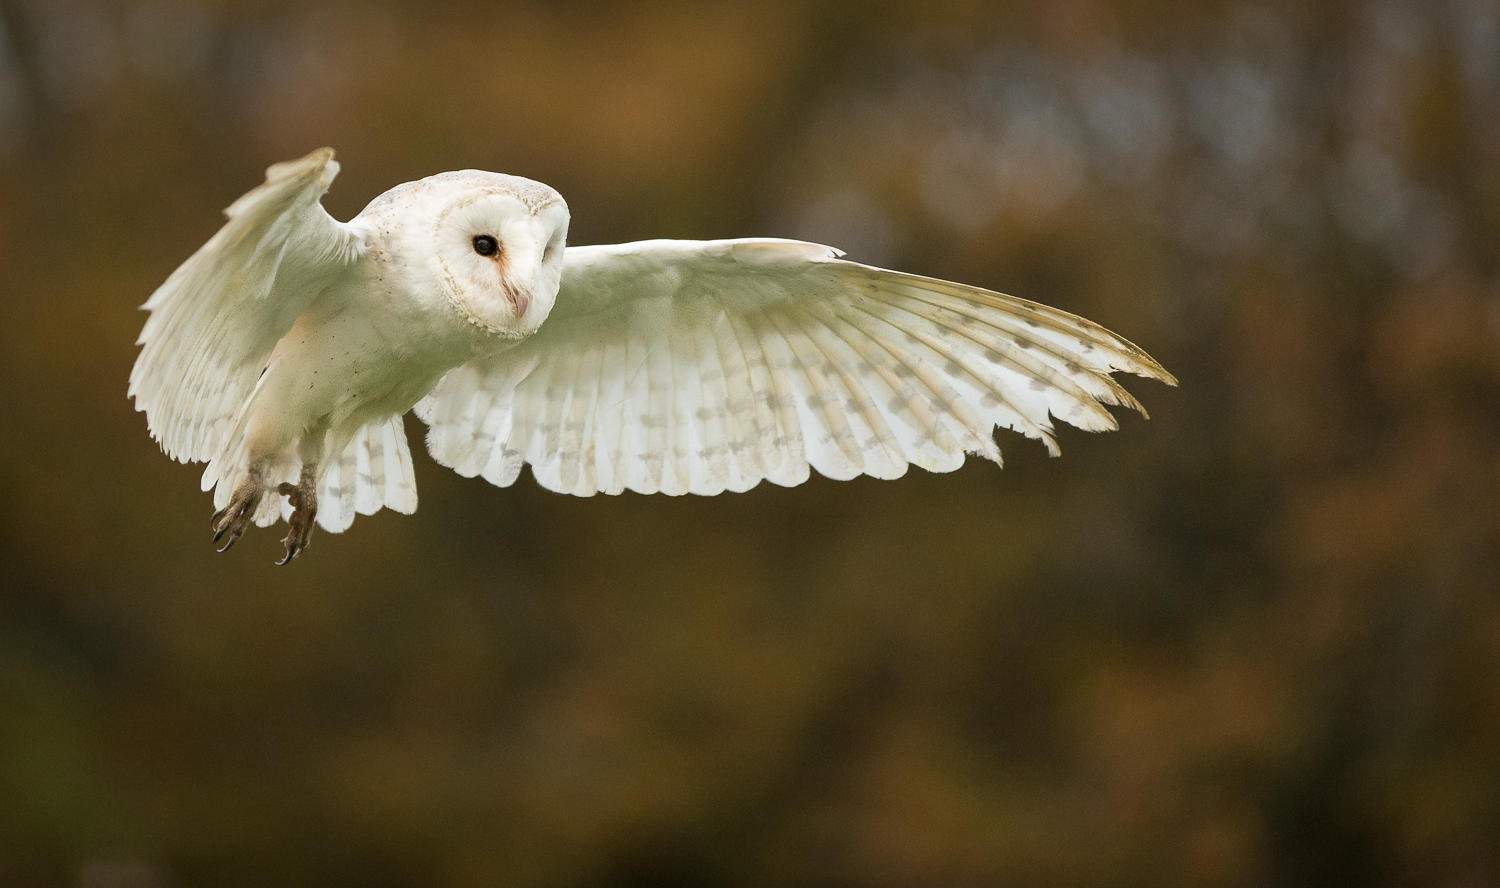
column 498, row 248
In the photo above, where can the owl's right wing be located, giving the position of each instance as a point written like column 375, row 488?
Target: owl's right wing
column 703, row 366
column 215, row 321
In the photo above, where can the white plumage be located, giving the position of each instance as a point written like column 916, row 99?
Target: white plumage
column 286, row 350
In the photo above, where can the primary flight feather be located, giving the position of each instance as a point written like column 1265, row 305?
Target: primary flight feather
column 285, row 352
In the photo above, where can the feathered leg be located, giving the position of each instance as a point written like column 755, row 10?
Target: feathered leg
column 304, row 499
column 235, row 517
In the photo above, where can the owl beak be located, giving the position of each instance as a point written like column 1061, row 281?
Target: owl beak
column 518, row 301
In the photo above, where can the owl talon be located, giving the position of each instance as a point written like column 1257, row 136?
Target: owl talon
column 303, row 497
column 292, row 551
column 233, row 538
column 235, row 517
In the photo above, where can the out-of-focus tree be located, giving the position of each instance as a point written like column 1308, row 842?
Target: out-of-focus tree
column 1256, row 640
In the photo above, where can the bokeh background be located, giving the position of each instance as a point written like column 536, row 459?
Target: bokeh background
column 1254, row 641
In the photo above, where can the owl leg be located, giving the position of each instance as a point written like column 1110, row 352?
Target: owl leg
column 304, row 499
column 235, row 517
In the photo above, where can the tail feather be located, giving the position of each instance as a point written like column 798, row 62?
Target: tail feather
column 373, row 472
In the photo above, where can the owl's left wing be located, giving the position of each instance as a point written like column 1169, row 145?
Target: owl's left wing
column 704, row 366
column 215, row 321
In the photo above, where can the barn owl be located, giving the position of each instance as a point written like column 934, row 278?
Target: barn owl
column 285, row 352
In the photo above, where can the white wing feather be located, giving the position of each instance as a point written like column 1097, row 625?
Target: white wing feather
column 215, row 321
column 704, row 366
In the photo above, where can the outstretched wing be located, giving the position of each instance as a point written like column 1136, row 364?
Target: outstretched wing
column 699, row 367
column 215, row 321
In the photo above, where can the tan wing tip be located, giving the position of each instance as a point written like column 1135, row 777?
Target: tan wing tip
column 318, row 163
column 1146, row 365
column 308, row 162
column 1157, row 371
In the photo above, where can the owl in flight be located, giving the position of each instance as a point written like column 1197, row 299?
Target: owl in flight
column 286, row 351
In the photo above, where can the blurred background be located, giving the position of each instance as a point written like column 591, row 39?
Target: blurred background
column 1254, row 641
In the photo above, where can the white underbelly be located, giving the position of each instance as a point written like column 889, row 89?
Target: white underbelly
column 329, row 380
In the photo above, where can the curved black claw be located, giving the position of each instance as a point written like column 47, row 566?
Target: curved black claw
column 232, row 520
column 299, row 527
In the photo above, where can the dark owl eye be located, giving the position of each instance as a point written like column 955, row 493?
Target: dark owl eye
column 485, row 245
